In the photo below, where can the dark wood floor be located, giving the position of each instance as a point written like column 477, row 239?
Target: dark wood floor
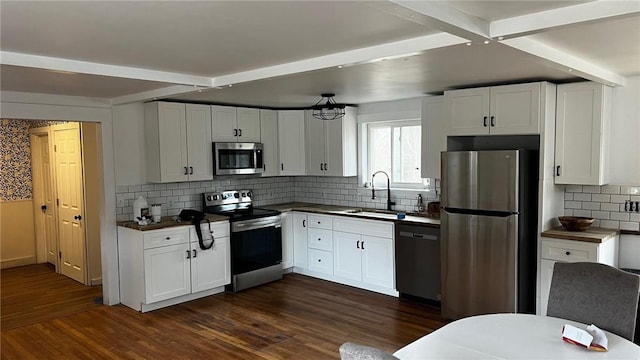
column 296, row 318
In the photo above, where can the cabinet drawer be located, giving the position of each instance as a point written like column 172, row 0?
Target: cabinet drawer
column 376, row 228
column 320, row 239
column 321, row 261
column 569, row 251
column 320, row 222
column 219, row 229
column 159, row 238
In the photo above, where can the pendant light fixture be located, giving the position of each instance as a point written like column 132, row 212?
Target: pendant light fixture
column 329, row 110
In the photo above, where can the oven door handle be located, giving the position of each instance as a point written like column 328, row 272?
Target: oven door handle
column 256, row 224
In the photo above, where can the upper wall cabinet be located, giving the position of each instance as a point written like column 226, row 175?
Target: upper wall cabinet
column 433, row 136
column 291, row 148
column 178, row 142
column 231, row 124
column 332, row 145
column 269, row 137
column 496, row 110
column 582, row 133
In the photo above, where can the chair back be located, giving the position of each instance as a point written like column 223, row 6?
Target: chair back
column 593, row 293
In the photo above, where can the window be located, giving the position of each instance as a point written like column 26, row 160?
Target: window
column 395, row 148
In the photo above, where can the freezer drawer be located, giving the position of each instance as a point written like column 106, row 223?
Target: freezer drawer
column 479, row 264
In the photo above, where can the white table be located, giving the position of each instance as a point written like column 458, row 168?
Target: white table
column 510, row 336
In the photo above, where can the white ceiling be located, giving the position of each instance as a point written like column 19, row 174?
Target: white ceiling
column 285, row 53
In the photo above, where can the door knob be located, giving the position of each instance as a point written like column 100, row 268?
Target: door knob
column 78, row 217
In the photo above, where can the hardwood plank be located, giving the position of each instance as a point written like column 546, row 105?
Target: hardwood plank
column 297, row 317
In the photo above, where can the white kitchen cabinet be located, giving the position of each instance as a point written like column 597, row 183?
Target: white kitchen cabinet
column 361, row 257
column 582, row 133
column 496, row 110
column 231, row 124
column 178, row 142
column 320, row 243
column 331, row 145
column 287, row 239
column 164, row 267
column 433, row 136
column 554, row 250
column 210, row 268
column 300, row 256
column 291, row 147
column 269, row 138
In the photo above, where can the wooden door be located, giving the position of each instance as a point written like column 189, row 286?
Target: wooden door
column 70, row 198
column 44, row 198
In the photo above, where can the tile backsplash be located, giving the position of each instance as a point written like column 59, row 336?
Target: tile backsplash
column 344, row 191
column 606, row 204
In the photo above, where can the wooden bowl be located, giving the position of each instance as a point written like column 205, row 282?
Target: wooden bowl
column 575, row 223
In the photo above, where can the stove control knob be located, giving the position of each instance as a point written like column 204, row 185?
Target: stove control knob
column 249, row 194
column 209, row 198
column 215, row 197
column 244, row 194
column 236, row 195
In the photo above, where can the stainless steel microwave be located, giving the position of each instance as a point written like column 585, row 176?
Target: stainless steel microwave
column 237, row 158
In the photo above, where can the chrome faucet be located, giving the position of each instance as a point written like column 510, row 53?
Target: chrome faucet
column 373, row 189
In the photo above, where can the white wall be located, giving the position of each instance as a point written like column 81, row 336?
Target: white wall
column 625, row 134
column 129, row 149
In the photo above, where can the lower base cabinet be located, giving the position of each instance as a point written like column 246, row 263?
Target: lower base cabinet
column 557, row 250
column 353, row 252
column 164, row 267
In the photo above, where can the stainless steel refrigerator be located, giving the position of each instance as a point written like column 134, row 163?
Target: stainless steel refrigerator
column 488, row 222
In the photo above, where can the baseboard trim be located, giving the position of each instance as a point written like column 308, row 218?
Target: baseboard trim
column 9, row 263
column 96, row 281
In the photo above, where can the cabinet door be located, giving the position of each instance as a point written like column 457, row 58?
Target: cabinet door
column 210, row 268
column 224, row 123
column 300, row 256
column 347, row 256
column 546, row 273
column 515, row 109
column 287, row 240
column 291, row 148
column 269, row 138
column 167, row 272
column 341, row 145
column 377, row 261
column 315, row 143
column 581, row 134
column 248, row 124
column 433, row 137
column 172, row 141
column 198, row 122
column 467, row 111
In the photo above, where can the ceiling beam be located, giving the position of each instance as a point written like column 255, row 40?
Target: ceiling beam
column 566, row 62
column 83, row 67
column 449, row 19
column 571, row 15
column 156, row 94
column 346, row 58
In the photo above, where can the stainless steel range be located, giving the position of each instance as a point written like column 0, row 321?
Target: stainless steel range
column 256, row 238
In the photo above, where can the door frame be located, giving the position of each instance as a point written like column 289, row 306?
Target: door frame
column 32, row 106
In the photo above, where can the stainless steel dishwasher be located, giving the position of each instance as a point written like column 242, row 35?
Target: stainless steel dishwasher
column 418, row 261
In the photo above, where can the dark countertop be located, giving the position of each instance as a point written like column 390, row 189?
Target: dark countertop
column 591, row 234
column 166, row 222
column 355, row 213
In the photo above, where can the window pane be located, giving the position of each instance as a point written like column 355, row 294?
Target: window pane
column 379, row 151
column 407, row 154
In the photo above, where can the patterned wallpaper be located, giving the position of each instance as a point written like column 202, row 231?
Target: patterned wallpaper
column 15, row 152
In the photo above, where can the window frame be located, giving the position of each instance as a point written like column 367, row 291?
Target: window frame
column 364, row 158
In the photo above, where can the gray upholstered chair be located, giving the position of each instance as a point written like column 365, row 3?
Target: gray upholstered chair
column 593, row 293
column 351, row 351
